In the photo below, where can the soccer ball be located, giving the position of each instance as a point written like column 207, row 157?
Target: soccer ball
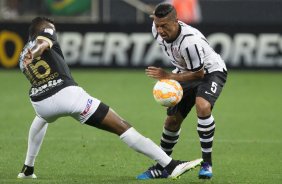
column 167, row 92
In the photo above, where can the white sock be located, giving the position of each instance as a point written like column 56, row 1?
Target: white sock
column 144, row 145
column 36, row 134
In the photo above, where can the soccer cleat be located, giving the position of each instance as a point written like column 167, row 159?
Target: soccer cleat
column 183, row 167
column 27, row 173
column 205, row 171
column 153, row 173
column 23, row 176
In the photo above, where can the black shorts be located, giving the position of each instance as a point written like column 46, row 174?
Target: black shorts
column 209, row 88
column 98, row 116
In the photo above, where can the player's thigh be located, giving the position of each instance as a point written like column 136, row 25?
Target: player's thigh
column 76, row 102
column 91, row 111
column 45, row 109
column 211, row 87
column 70, row 101
column 187, row 102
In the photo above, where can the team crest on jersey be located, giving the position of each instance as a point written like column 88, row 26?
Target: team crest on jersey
column 175, row 52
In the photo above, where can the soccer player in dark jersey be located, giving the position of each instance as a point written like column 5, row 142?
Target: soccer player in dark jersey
column 202, row 74
column 55, row 94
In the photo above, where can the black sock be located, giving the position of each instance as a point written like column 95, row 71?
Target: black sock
column 207, row 157
column 168, row 140
column 27, row 170
column 171, row 166
column 159, row 167
column 206, row 130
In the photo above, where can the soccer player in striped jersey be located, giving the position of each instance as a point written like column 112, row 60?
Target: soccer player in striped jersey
column 55, row 94
column 202, row 74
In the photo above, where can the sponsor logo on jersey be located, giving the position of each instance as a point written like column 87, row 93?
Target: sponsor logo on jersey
column 87, row 108
column 45, row 87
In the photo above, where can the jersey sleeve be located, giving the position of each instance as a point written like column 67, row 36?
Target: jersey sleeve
column 193, row 55
column 48, row 35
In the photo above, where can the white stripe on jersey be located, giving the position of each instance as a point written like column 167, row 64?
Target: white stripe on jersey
column 190, row 51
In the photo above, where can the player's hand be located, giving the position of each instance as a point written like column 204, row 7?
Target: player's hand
column 156, row 73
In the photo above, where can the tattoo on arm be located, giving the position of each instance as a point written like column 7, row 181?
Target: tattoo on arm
column 39, row 48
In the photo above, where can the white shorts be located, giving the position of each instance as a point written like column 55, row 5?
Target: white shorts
column 71, row 101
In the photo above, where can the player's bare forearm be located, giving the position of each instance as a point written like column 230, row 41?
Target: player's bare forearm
column 186, row 76
column 159, row 73
column 39, row 48
column 36, row 51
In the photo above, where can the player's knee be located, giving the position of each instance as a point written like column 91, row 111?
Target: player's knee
column 203, row 108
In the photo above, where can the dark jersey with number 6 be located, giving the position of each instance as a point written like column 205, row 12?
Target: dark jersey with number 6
column 49, row 73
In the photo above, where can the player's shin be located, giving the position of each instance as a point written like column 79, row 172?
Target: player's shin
column 206, row 129
column 35, row 138
column 145, row 146
column 168, row 140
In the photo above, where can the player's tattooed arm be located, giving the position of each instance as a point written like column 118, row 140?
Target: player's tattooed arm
column 36, row 51
column 40, row 46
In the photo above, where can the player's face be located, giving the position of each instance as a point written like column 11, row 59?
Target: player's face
column 166, row 27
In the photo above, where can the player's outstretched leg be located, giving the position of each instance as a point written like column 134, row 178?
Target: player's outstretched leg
column 112, row 122
column 35, row 138
column 173, row 170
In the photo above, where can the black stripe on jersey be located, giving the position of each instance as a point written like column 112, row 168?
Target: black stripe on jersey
column 172, row 52
column 205, row 40
column 156, row 36
column 165, row 48
column 184, row 36
column 198, row 54
column 188, row 54
column 197, row 69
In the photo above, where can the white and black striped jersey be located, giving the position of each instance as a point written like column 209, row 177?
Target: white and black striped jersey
column 190, row 51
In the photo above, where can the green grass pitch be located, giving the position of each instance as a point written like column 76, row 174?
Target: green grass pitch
column 247, row 146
